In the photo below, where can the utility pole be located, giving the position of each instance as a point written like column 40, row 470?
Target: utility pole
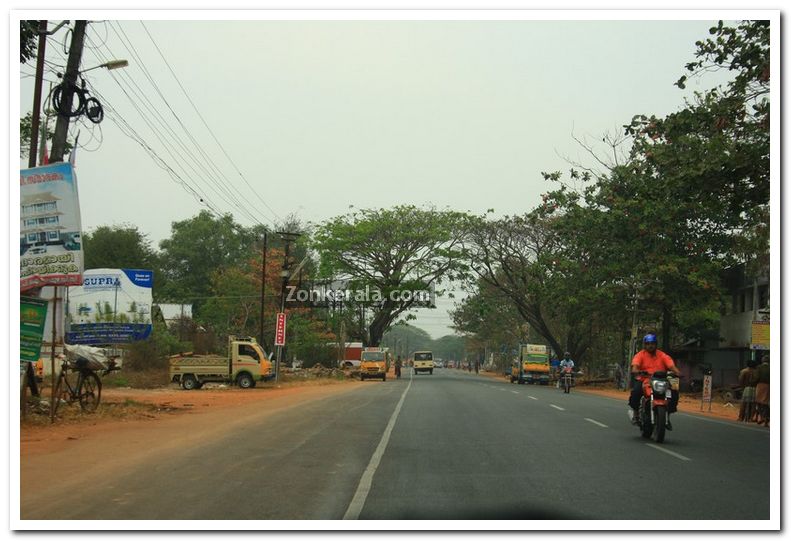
column 263, row 289
column 288, row 238
column 34, row 122
column 67, row 94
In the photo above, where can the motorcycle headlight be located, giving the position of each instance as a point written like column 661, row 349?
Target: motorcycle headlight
column 659, row 386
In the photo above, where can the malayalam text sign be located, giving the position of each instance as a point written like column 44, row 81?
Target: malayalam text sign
column 33, row 315
column 50, row 241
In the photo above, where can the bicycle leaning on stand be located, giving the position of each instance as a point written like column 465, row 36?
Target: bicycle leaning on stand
column 79, row 382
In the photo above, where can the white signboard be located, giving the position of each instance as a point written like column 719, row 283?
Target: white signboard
column 707, row 388
column 112, row 306
column 50, row 242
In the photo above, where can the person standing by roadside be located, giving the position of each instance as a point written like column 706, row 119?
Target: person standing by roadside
column 762, row 391
column 398, row 367
column 747, row 379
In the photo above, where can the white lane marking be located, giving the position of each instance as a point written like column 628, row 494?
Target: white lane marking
column 558, row 407
column 532, row 397
column 596, row 422
column 501, row 389
column 515, row 392
column 358, row 501
column 671, row 453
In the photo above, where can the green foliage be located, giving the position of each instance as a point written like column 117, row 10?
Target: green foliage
column 25, row 131
column 28, row 40
column 199, row 247
column 404, row 247
column 153, row 352
column 118, row 247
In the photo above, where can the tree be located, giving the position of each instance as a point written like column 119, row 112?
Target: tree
column 390, row 251
column 28, row 40
column 712, row 156
column 199, row 247
column 118, row 246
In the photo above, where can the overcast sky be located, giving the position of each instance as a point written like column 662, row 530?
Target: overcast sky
column 315, row 116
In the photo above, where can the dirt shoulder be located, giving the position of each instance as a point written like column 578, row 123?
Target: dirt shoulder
column 126, row 409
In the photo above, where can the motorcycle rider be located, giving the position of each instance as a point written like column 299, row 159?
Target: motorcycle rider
column 649, row 359
column 398, row 367
column 566, row 362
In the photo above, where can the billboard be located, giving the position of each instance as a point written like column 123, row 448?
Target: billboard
column 112, row 306
column 33, row 314
column 50, row 241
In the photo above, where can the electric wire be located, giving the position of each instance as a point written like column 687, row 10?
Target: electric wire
column 166, row 145
column 206, row 125
column 133, row 51
column 117, row 118
column 133, row 87
column 230, row 193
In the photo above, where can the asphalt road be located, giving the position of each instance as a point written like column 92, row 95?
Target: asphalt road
column 450, row 445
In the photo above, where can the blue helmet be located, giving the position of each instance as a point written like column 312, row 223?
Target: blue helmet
column 649, row 339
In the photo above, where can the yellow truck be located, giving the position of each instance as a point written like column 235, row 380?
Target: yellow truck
column 374, row 363
column 245, row 364
column 532, row 366
column 423, row 362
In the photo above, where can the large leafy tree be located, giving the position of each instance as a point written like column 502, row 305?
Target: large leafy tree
column 118, row 246
column 711, row 158
column 401, row 248
column 197, row 248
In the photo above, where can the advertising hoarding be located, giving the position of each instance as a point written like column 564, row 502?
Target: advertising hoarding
column 112, row 306
column 50, row 240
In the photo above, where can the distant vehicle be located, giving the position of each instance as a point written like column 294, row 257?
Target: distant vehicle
column 438, row 364
column 374, row 364
column 532, row 366
column 423, row 362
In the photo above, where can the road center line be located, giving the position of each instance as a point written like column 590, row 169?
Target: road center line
column 532, row 397
column 558, row 407
column 515, row 392
column 596, row 422
column 671, row 453
column 358, row 501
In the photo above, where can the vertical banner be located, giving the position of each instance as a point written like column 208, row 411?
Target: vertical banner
column 706, row 391
column 280, row 330
column 33, row 315
column 50, row 241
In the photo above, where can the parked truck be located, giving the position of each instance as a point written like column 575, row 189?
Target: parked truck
column 374, row 363
column 244, row 365
column 532, row 366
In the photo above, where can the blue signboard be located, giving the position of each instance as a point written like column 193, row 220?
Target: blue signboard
column 108, row 333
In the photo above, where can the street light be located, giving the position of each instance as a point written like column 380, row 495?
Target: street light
column 110, row 65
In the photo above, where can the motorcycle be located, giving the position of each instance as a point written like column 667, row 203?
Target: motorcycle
column 653, row 416
column 567, row 380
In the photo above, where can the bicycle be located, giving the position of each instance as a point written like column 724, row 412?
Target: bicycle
column 85, row 388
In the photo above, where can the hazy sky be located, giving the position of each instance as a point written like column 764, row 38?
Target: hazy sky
column 320, row 115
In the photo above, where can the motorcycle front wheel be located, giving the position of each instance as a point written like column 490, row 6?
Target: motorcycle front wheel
column 659, row 428
column 645, row 422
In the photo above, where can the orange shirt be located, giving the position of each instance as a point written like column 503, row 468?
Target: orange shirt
column 651, row 363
